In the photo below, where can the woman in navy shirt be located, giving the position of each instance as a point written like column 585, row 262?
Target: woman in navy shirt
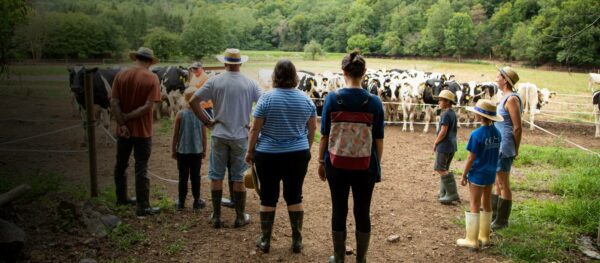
column 279, row 145
column 362, row 182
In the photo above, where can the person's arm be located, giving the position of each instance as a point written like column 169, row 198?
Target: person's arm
column 140, row 111
column 513, row 108
column 322, row 148
column 379, row 148
column 311, row 125
column 470, row 160
column 257, row 125
column 441, row 135
column 204, row 139
column 115, row 107
column 175, row 140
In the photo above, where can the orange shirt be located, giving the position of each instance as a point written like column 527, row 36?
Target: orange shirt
column 198, row 82
column 133, row 87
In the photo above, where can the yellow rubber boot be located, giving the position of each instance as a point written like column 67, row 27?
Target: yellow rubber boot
column 472, row 226
column 485, row 223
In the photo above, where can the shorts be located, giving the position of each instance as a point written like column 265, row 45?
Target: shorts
column 504, row 163
column 224, row 152
column 442, row 161
column 481, row 180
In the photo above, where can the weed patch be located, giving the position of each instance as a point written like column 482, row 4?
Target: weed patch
column 124, row 237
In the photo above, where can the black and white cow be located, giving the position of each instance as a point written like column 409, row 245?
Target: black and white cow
column 432, row 88
column 308, row 84
column 172, row 79
column 102, row 87
column 533, row 99
column 596, row 103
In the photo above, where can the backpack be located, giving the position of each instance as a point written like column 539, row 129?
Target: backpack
column 350, row 137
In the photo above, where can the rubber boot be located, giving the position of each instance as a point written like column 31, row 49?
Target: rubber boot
column 121, row 191
column 451, row 190
column 239, row 200
column 266, row 226
column 142, row 191
column 296, row 218
column 501, row 221
column 485, row 222
column 442, row 191
column 215, row 217
column 472, row 227
column 339, row 247
column 494, row 206
column 362, row 246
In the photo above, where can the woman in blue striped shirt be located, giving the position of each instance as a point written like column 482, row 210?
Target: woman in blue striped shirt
column 279, row 145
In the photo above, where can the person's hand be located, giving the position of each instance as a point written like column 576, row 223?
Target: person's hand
column 464, row 181
column 249, row 157
column 123, row 131
column 434, row 147
column 322, row 172
column 174, row 155
column 202, row 155
column 210, row 124
column 516, row 154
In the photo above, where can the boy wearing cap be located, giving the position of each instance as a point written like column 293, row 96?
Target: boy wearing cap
column 197, row 80
column 445, row 147
column 188, row 148
column 480, row 174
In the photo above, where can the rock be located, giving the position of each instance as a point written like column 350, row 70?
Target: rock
column 88, row 260
column 587, row 248
column 12, row 239
column 67, row 209
column 95, row 226
column 393, row 238
column 409, row 237
column 110, row 221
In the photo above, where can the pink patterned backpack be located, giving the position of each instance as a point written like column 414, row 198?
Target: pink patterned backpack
column 350, row 137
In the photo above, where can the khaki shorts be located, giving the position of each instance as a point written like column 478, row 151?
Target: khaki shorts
column 442, row 161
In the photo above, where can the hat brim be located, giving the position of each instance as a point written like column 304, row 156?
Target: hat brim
column 506, row 77
column 243, row 59
column 444, row 97
column 493, row 118
column 133, row 56
column 251, row 180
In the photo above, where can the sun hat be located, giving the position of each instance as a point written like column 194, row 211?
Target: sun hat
column 251, row 179
column 446, row 94
column 486, row 109
column 143, row 52
column 232, row 56
column 188, row 93
column 196, row 65
column 509, row 74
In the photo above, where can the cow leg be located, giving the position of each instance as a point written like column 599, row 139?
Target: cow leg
column 427, row 118
column 597, row 123
column 404, row 116
column 75, row 109
column 157, row 109
column 411, row 119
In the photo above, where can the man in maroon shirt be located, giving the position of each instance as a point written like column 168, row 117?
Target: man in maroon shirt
column 134, row 92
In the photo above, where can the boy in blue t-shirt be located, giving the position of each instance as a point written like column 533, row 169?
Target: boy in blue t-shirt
column 444, row 147
column 480, row 174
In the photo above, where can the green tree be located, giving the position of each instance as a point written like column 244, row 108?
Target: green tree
column 164, row 43
column 33, row 35
column 361, row 18
column 459, row 35
column 432, row 36
column 578, row 45
column 500, row 29
column 203, row 35
column 13, row 13
column 312, row 50
column 359, row 41
column 297, row 26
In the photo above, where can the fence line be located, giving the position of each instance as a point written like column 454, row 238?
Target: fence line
column 573, row 95
column 42, row 151
column 566, row 140
column 42, row 135
column 38, row 120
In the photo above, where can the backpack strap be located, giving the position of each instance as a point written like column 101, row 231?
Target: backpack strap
column 343, row 105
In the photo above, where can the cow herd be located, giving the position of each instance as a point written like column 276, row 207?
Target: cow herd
column 410, row 95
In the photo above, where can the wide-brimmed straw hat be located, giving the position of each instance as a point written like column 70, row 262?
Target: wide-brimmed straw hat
column 143, row 52
column 232, row 56
column 251, row 179
column 446, row 94
column 486, row 109
column 509, row 74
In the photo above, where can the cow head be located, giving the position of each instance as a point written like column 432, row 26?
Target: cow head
column 544, row 96
column 172, row 78
column 76, row 77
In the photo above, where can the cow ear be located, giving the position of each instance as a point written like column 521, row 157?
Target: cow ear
column 552, row 94
column 92, row 70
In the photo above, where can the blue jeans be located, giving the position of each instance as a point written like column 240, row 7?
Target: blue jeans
column 222, row 152
column 504, row 163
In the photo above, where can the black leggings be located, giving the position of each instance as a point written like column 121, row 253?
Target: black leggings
column 362, row 185
column 189, row 169
column 272, row 168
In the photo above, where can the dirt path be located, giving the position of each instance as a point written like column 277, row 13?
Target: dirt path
column 403, row 203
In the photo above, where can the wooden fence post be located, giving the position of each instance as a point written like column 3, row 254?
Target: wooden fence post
column 90, row 125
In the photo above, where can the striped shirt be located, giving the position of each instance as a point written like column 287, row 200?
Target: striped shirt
column 286, row 112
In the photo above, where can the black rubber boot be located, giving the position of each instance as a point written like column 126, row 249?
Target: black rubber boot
column 239, row 200
column 362, row 246
column 451, row 190
column 121, row 191
column 504, row 207
column 266, row 226
column 228, row 202
column 142, row 191
column 339, row 247
column 442, row 191
column 494, row 200
column 296, row 218
column 215, row 217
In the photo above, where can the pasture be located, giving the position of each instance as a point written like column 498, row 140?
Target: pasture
column 556, row 196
